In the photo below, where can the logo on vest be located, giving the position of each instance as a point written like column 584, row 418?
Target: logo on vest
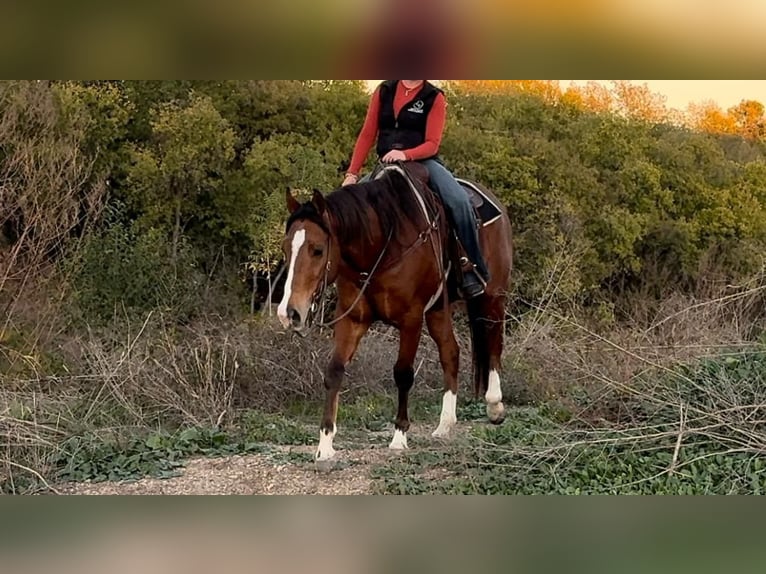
column 417, row 107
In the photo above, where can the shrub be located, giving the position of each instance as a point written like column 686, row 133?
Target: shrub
column 125, row 270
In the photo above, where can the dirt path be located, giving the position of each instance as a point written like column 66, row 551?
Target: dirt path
column 252, row 474
column 286, row 470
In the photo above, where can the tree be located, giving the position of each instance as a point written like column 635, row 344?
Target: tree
column 749, row 119
column 593, row 97
column 639, row 102
column 548, row 90
column 710, row 118
column 272, row 166
column 186, row 157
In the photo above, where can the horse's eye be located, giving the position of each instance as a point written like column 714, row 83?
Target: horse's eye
column 318, row 252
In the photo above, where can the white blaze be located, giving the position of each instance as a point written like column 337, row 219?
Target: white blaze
column 298, row 240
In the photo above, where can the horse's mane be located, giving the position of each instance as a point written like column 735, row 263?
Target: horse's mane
column 387, row 202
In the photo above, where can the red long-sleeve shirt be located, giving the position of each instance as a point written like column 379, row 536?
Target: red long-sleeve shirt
column 369, row 133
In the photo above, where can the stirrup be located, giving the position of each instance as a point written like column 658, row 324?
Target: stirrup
column 468, row 267
column 472, row 285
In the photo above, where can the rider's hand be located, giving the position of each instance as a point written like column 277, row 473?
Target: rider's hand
column 350, row 179
column 394, row 155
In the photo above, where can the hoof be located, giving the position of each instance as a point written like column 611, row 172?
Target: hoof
column 399, row 441
column 325, row 466
column 442, row 432
column 325, row 453
column 496, row 413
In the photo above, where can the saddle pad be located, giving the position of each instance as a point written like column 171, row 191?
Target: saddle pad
column 485, row 208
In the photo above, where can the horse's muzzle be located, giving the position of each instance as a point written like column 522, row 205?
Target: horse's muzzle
column 297, row 322
column 294, row 317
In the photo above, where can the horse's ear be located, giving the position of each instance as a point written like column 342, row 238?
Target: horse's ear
column 319, row 202
column 292, row 204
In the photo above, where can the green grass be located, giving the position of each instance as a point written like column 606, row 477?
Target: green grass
column 275, row 429
column 95, row 457
column 537, row 451
column 529, row 456
column 721, row 450
column 159, row 455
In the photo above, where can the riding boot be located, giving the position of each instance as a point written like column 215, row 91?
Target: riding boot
column 474, row 280
column 461, row 213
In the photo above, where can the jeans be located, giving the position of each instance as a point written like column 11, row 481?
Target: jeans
column 458, row 205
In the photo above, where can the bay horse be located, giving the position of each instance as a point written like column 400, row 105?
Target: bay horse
column 387, row 246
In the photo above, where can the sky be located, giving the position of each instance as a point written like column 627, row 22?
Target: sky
column 680, row 93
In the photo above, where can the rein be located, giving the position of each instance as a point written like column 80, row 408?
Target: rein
column 422, row 238
column 366, row 284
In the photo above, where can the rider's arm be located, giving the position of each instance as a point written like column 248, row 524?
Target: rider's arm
column 434, row 131
column 367, row 135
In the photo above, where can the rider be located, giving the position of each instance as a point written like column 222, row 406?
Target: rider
column 407, row 117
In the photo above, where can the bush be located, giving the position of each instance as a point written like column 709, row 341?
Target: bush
column 125, row 271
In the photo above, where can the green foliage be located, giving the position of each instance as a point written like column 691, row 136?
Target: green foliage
column 720, row 451
column 103, row 112
column 270, row 168
column 536, row 451
column 190, row 149
column 602, row 205
column 127, row 270
column 619, row 202
column 158, row 455
column 162, row 454
column 265, row 428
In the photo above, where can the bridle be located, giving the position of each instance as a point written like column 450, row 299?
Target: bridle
column 365, row 278
column 320, row 291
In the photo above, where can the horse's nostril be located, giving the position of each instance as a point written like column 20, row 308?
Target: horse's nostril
column 294, row 316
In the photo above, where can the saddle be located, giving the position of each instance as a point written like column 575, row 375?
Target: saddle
column 485, row 209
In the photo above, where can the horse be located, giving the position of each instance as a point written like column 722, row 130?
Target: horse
column 388, row 247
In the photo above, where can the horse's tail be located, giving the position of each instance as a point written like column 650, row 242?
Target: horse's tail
column 479, row 343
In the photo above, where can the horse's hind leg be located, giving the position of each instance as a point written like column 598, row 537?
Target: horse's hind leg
column 348, row 333
column 404, row 376
column 495, row 327
column 440, row 328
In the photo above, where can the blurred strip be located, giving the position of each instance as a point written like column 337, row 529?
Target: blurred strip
column 376, row 38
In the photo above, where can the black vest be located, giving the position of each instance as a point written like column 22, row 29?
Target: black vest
column 409, row 129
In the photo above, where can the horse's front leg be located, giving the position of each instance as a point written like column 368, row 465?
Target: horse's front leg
column 404, row 377
column 439, row 322
column 348, row 333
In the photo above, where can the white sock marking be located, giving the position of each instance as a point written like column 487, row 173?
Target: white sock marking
column 298, row 240
column 399, row 441
column 494, row 392
column 449, row 415
column 325, row 450
column 494, row 398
